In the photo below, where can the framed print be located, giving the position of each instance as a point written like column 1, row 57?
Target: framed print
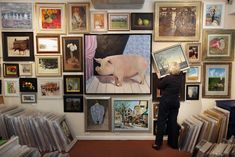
column 98, row 114
column 217, row 80
column 48, row 66
column 73, row 84
column 177, row 21
column 73, row 103
column 18, row 46
column 131, row 114
column 193, row 52
column 10, row 70
column 50, row 88
column 28, row 98
column 156, row 94
column 72, row 54
column 79, row 17
column 51, row 18
column 218, row 45
column 11, row 87
column 119, row 21
column 48, row 44
column 28, row 85
column 99, row 22
column 193, row 74
column 106, row 73
column 192, row 92
column 16, row 16
column 25, row 69
column 141, row 21
column 164, row 57
column 213, row 15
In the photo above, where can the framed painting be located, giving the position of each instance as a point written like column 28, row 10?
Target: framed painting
column 48, row 44
column 99, row 22
column 194, row 74
column 50, row 88
column 79, row 17
column 73, row 84
column 156, row 94
column 155, row 110
column 18, row 46
column 192, row 92
column 48, row 66
column 16, row 15
column 177, row 21
column 10, row 70
column 193, row 52
column 28, row 85
column 217, row 80
column 119, row 21
column 28, row 98
column 98, row 114
column 213, row 15
column 131, row 114
column 72, row 54
column 25, row 69
column 162, row 58
column 218, row 44
column 73, row 103
column 51, row 18
column 141, row 21
column 11, row 87
column 125, row 52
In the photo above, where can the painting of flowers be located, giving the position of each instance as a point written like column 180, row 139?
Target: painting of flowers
column 51, row 18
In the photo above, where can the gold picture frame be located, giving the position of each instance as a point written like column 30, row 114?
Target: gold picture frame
column 99, row 21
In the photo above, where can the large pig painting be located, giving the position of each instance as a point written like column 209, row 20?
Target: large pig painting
column 118, row 64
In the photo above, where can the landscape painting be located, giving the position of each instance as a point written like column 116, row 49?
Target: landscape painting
column 118, row 63
column 194, row 74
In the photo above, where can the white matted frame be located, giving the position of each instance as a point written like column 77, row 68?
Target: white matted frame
column 28, row 97
column 193, row 74
column 11, row 87
column 213, row 15
column 131, row 114
column 25, row 69
column 50, row 88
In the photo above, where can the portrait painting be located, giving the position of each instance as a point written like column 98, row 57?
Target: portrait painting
column 118, row 63
column 217, row 82
column 73, row 84
column 79, row 17
column 73, row 103
column 16, row 15
column 72, row 54
column 50, row 88
column 193, row 74
column 98, row 113
column 192, row 92
column 162, row 58
column 119, row 21
column 218, row 45
column 28, row 85
column 130, row 115
column 99, row 22
column 11, row 87
column 177, row 21
column 213, row 15
column 193, row 52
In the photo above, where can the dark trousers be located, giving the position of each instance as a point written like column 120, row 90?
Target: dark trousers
column 167, row 115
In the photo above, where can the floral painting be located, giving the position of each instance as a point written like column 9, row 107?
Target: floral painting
column 51, row 18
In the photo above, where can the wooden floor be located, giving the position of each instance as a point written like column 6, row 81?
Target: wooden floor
column 105, row 84
column 122, row 148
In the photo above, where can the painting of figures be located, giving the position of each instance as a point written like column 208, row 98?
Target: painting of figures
column 118, row 63
column 16, row 15
column 130, row 115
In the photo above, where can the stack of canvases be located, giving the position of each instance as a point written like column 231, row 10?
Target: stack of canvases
column 206, row 148
column 45, row 130
column 211, row 125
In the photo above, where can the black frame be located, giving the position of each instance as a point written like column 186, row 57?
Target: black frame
column 33, row 88
column 73, row 76
column 142, row 16
column 194, row 97
column 80, row 105
column 5, row 65
column 30, row 43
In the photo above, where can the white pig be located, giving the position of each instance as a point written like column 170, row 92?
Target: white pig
column 122, row 66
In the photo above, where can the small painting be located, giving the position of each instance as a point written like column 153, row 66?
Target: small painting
column 213, row 15
column 99, row 21
column 193, row 52
column 28, row 98
column 73, row 84
column 25, row 69
column 10, row 70
column 73, row 103
column 11, row 87
column 28, row 85
column 141, row 21
column 193, row 74
column 50, row 88
column 192, row 92
column 48, row 44
column 119, row 21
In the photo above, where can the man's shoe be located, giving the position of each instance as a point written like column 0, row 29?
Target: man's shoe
column 155, row 146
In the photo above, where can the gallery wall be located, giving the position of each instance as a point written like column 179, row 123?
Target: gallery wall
column 76, row 120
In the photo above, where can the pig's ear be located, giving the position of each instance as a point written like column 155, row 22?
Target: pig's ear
column 98, row 60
